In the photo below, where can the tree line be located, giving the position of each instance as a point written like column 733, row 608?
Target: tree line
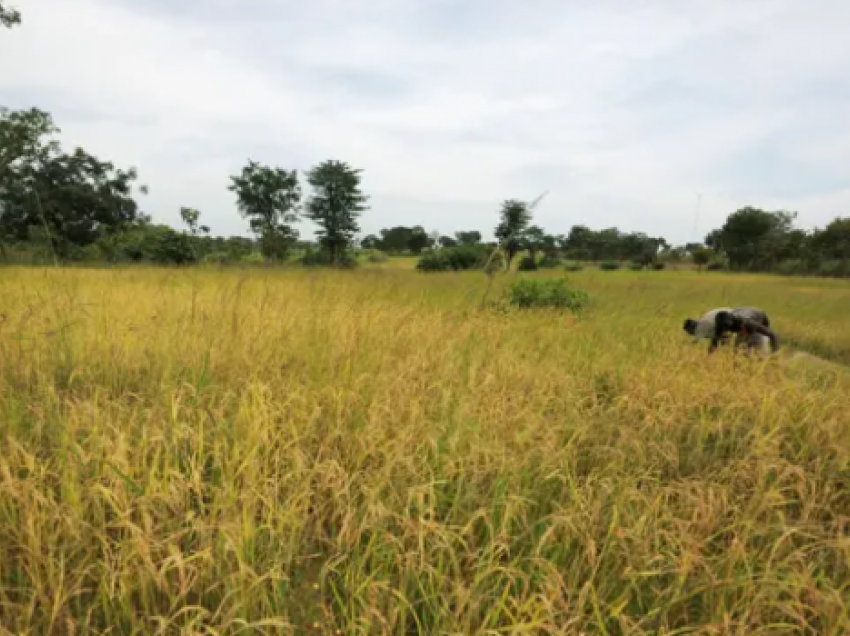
column 72, row 206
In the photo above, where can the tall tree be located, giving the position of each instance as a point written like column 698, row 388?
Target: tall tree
column 701, row 256
column 713, row 240
column 419, row 240
column 396, row 239
column 514, row 217
column 832, row 242
column 472, row 237
column 533, row 239
column 191, row 217
column 371, row 242
column 9, row 16
column 335, row 205
column 270, row 198
column 193, row 243
column 752, row 238
column 74, row 199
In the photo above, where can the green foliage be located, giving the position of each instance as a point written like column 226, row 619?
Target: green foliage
column 659, row 266
column 377, row 256
column 715, row 267
column 833, row 242
column 218, row 258
column 534, row 239
column 549, row 261
column 514, row 217
column 252, row 258
column 701, row 256
column 191, row 217
column 9, row 16
column 419, row 241
column 402, row 239
column 453, row 259
column 528, row 264
column 75, row 197
column 752, row 238
column 636, row 267
column 335, row 205
column 371, row 242
column 468, row 238
column 173, row 248
column 323, row 258
column 610, row 244
column 270, row 199
column 555, row 293
column 72, row 206
column 574, row 267
column 434, row 261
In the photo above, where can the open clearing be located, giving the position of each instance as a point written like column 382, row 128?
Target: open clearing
column 370, row 452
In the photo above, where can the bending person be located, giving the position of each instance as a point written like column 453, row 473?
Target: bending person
column 750, row 325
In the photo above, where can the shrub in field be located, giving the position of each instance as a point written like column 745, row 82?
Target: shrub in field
column 832, row 268
column 557, row 293
column 453, row 259
column 549, row 261
column 574, row 267
column 636, row 267
column 218, row 258
column 609, row 266
column 715, row 267
column 528, row 264
column 321, row 258
column 377, row 256
column 658, row 266
column 467, row 256
column 791, row 267
column 434, row 261
column 253, row 258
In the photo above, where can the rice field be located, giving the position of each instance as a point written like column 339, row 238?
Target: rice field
column 260, row 451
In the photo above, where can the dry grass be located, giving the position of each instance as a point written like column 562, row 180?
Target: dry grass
column 369, row 453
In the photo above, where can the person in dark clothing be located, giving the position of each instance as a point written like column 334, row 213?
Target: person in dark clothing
column 750, row 325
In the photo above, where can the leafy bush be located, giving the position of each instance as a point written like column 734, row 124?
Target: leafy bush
column 377, row 256
column 715, row 267
column 254, row 258
column 555, row 293
column 609, row 266
column 549, row 261
column 791, row 267
column 528, row 264
column 574, row 267
column 658, row 266
column 321, row 258
column 832, row 268
column 173, row 248
column 636, row 267
column 218, row 258
column 449, row 259
column 434, row 261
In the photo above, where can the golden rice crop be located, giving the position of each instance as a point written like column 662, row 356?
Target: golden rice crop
column 371, row 452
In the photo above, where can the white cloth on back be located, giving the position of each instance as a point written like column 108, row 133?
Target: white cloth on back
column 705, row 325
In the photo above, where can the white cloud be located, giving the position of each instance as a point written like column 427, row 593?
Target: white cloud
column 623, row 110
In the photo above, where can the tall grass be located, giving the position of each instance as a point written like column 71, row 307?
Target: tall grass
column 370, row 453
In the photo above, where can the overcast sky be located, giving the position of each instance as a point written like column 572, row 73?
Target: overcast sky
column 623, row 109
